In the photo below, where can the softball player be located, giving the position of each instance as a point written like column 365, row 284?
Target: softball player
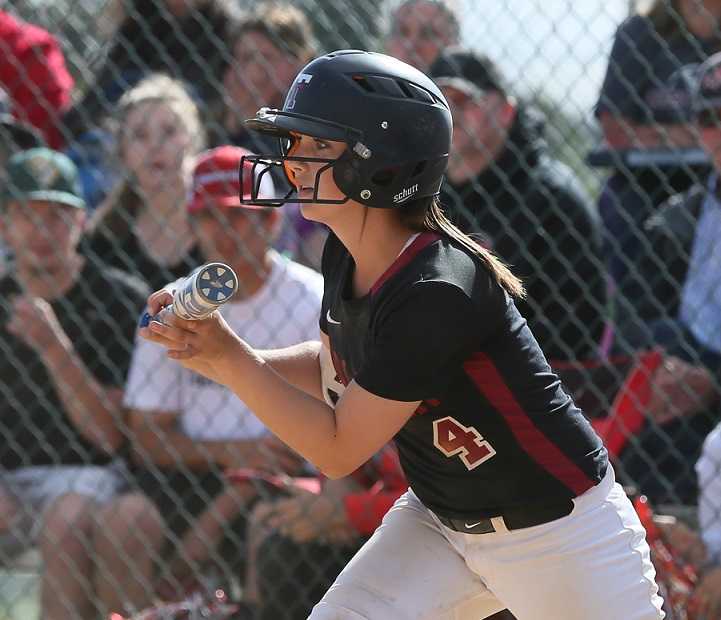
column 512, row 501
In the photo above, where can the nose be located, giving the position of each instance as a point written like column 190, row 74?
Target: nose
column 296, row 171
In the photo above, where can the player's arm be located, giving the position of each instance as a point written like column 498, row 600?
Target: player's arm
column 299, row 365
column 336, row 441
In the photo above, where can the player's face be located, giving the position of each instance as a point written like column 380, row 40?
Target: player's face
column 43, row 235
column 303, row 174
column 258, row 76
column 156, row 147
column 234, row 235
column 420, row 31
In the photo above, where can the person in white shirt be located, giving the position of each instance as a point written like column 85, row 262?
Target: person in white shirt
column 186, row 430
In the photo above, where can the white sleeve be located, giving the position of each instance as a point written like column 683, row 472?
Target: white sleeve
column 153, row 380
column 708, row 470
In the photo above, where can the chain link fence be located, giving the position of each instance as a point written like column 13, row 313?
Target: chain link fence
column 585, row 153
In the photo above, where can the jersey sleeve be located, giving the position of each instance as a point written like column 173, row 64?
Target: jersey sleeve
column 328, row 264
column 420, row 338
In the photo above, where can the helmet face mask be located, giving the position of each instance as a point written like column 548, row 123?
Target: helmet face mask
column 393, row 119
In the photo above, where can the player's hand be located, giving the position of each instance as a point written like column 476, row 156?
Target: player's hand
column 680, row 389
column 34, row 322
column 707, row 597
column 202, row 346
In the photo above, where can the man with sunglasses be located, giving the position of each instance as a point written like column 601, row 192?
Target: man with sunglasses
column 503, row 185
column 680, row 272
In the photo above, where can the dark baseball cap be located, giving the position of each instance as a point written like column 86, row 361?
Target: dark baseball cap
column 467, row 71
column 707, row 95
column 43, row 174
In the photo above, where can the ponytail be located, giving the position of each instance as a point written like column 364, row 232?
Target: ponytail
column 422, row 216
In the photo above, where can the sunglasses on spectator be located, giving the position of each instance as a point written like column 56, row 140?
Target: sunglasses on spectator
column 709, row 118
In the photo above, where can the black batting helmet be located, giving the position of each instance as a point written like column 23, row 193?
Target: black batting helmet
column 393, row 118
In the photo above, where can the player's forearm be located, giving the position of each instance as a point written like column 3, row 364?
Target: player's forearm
column 93, row 409
column 299, row 365
column 303, row 422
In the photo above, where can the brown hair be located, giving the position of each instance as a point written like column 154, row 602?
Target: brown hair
column 286, row 26
column 423, row 215
column 118, row 212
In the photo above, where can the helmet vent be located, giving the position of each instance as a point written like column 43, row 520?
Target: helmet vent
column 405, row 87
column 420, row 94
column 363, row 83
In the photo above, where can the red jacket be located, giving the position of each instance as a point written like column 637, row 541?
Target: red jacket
column 33, row 72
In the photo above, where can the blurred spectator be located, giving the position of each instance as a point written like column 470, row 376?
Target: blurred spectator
column 680, row 273
column 67, row 332
column 503, row 185
column 183, row 38
column 421, row 29
column 33, row 72
column 346, row 25
column 298, row 544
column 708, row 469
column 643, row 104
column 269, row 48
column 14, row 136
column 143, row 226
column 187, row 429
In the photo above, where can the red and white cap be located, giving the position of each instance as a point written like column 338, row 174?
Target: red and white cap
column 216, row 181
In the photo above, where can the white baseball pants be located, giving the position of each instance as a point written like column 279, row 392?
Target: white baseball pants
column 590, row 565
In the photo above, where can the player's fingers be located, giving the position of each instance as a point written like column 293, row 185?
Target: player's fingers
column 160, row 339
column 175, row 321
column 173, row 333
column 158, row 300
column 187, row 353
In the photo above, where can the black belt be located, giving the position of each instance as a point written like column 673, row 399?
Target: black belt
column 515, row 519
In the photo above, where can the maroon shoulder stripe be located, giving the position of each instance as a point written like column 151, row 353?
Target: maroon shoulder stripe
column 481, row 369
column 406, row 256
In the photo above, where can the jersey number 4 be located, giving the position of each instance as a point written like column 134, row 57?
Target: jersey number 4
column 454, row 439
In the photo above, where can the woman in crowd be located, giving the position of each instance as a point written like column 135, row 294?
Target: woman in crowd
column 143, row 227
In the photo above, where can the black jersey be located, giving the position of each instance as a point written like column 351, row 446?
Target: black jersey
column 495, row 428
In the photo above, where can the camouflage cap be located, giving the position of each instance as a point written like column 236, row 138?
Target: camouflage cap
column 43, row 174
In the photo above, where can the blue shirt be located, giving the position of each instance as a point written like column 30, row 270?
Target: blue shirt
column 701, row 296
